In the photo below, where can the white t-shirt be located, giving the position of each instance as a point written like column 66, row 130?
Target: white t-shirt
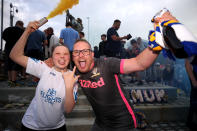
column 46, row 110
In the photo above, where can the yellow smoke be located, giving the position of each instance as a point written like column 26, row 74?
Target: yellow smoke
column 62, row 6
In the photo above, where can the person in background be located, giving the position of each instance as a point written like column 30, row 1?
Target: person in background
column 134, row 51
column 191, row 68
column 11, row 35
column 114, row 40
column 68, row 36
column 102, row 45
column 52, row 40
column 56, row 91
column 123, row 53
column 35, row 43
column 140, row 43
column 142, row 46
column 81, row 35
column 168, row 74
column 45, row 47
column 181, row 79
column 96, row 52
column 158, row 73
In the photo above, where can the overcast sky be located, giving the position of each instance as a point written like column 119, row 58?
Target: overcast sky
column 135, row 15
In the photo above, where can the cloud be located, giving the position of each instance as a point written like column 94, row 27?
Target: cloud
column 134, row 14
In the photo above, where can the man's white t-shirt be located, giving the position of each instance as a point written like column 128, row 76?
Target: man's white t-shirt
column 46, row 110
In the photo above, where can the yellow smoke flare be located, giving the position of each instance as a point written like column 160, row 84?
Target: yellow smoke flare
column 62, row 6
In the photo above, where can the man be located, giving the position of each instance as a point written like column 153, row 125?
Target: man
column 191, row 68
column 102, row 45
column 35, row 43
column 168, row 74
column 11, row 35
column 68, row 36
column 140, row 43
column 96, row 52
column 134, row 51
column 99, row 79
column 81, row 35
column 52, row 40
column 114, row 40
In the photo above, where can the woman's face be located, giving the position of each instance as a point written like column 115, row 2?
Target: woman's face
column 61, row 58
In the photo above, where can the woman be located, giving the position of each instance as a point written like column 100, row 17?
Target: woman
column 54, row 93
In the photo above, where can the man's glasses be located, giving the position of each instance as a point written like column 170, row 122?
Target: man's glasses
column 85, row 52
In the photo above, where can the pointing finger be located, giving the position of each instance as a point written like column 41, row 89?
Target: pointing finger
column 74, row 69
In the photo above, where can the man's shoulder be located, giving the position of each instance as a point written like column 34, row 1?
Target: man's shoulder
column 69, row 30
column 64, row 29
column 74, row 31
column 12, row 32
column 8, row 28
column 37, row 33
column 14, row 28
column 111, row 29
column 101, row 43
column 41, row 32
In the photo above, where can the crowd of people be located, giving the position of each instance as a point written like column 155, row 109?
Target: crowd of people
column 40, row 43
column 161, row 72
column 99, row 78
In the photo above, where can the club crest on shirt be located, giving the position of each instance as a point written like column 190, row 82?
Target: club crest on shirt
column 95, row 73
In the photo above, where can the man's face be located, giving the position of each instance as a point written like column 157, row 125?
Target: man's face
column 21, row 25
column 60, row 57
column 103, row 38
column 83, row 57
column 139, row 40
column 134, row 45
column 117, row 25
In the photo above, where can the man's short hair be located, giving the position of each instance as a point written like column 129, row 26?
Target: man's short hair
column 50, row 29
column 19, row 23
column 83, row 40
column 104, row 35
column 82, row 33
column 68, row 24
column 133, row 41
column 117, row 21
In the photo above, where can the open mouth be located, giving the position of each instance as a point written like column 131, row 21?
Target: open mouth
column 82, row 64
column 61, row 62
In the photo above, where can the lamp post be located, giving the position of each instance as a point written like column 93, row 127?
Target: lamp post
column 12, row 10
column 88, row 18
column 2, row 23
